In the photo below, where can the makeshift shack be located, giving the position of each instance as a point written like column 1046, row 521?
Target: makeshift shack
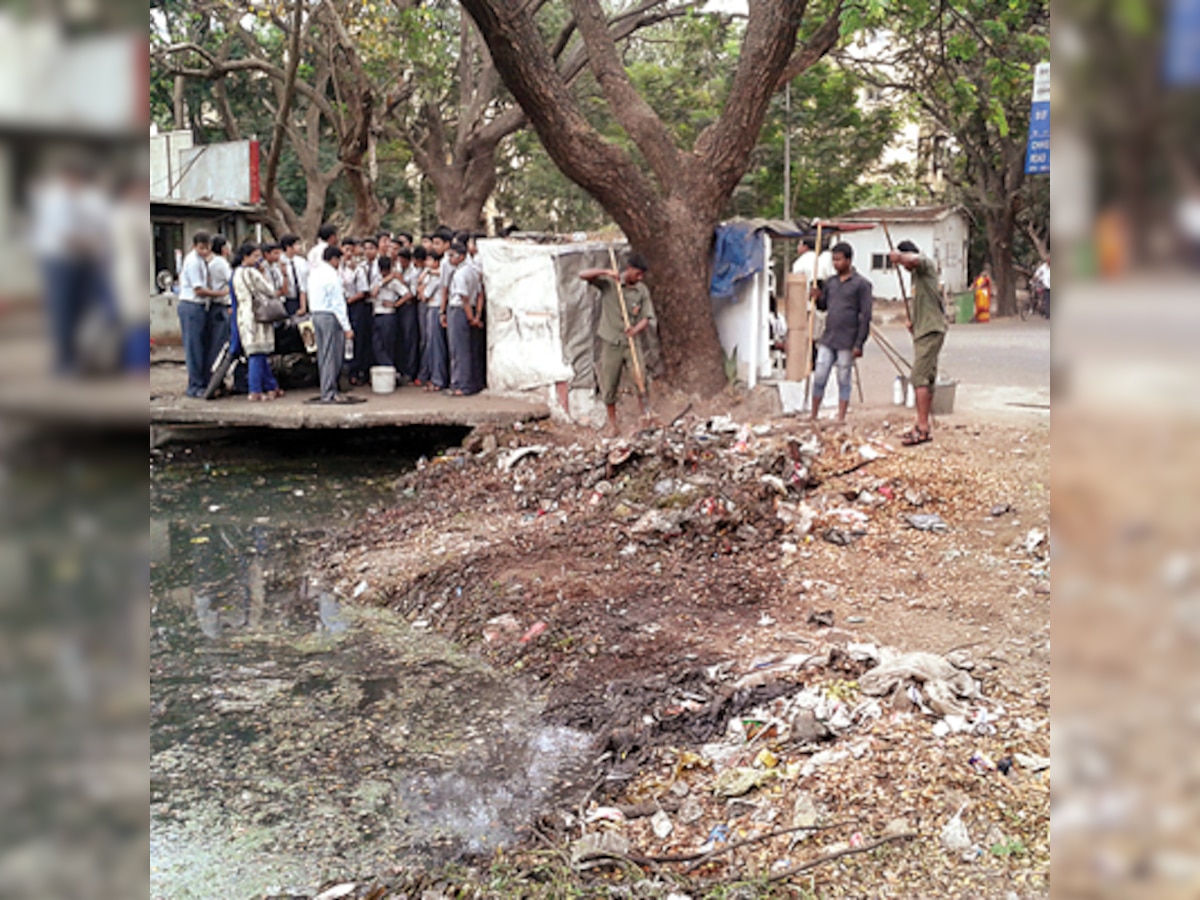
column 542, row 320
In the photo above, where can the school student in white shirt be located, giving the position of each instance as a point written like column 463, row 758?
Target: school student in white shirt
column 296, row 268
column 195, row 315
column 327, row 236
column 408, row 323
column 386, row 295
column 357, row 289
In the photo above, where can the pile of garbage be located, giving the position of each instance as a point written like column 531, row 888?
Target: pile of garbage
column 583, row 565
column 762, row 781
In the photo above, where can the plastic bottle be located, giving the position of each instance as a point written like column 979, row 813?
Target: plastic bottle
column 898, row 391
column 349, row 354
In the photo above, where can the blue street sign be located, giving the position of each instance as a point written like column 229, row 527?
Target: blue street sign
column 1037, row 151
column 1181, row 56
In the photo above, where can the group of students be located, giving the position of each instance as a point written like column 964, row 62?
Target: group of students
column 382, row 301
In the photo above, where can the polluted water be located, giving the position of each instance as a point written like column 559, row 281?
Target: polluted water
column 298, row 736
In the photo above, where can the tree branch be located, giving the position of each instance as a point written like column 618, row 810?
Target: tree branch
column 823, row 40
column 724, row 147
column 285, row 104
column 602, row 169
column 849, row 851
column 636, row 116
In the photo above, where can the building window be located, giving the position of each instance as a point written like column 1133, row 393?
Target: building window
column 880, row 262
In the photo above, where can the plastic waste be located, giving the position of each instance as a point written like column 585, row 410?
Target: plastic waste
column 927, row 522
column 955, row 836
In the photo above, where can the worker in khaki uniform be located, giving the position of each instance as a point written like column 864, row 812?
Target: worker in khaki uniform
column 617, row 350
column 928, row 327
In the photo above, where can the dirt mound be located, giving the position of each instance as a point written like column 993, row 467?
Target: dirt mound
column 654, row 589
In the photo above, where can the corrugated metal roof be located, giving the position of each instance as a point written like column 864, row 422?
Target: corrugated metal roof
column 900, row 214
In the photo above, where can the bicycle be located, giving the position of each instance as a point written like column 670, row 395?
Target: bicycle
column 1034, row 302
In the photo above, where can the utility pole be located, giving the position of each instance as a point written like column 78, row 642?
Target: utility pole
column 787, row 152
column 787, row 168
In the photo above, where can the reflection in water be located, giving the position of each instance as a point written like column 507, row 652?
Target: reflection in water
column 297, row 738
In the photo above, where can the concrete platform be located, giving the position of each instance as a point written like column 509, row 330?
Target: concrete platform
column 407, row 406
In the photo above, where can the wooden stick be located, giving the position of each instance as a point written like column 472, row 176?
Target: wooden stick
column 895, row 365
column 637, row 368
column 858, row 378
column 884, row 342
column 812, row 312
column 830, row 857
column 899, row 277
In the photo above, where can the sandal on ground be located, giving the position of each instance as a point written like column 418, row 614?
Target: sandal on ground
column 916, row 436
column 276, row 394
column 256, row 398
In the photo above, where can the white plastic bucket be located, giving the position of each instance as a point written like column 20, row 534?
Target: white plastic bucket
column 943, row 397
column 383, row 379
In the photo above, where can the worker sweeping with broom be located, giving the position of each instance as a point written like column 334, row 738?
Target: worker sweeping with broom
column 625, row 312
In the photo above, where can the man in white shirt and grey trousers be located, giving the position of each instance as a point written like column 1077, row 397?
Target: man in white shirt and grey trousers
column 327, row 303
column 196, row 324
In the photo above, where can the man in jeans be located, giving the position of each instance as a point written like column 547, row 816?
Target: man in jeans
column 196, row 322
column 846, row 299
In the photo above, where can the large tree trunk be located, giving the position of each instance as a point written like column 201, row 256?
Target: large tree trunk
column 1000, row 220
column 675, row 235
column 368, row 208
column 1001, row 226
column 463, row 189
column 679, row 252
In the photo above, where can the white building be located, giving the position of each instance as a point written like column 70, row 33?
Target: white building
column 941, row 232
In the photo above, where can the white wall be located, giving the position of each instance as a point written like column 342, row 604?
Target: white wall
column 164, row 162
column 743, row 323
column 950, row 243
column 226, row 172
column 945, row 241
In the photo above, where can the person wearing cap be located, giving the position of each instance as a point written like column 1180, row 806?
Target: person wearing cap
column 928, row 327
column 846, row 299
column 616, row 352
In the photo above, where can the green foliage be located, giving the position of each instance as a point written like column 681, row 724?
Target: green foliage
column 535, row 195
column 1009, row 848
column 683, row 69
column 731, row 366
column 834, row 142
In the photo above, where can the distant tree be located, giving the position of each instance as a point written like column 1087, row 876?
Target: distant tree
column 968, row 66
column 836, row 144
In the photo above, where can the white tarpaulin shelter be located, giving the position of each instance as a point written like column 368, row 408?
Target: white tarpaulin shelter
column 542, row 319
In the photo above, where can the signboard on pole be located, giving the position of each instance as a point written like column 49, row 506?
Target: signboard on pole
column 1037, row 151
column 1181, row 58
